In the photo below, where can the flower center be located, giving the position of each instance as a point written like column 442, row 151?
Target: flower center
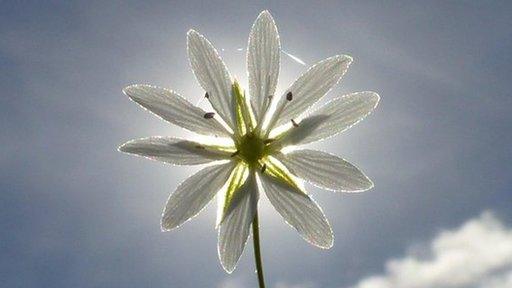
column 251, row 149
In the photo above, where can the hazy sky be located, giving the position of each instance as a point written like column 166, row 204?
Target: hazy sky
column 74, row 212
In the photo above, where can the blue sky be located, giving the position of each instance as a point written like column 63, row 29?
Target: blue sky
column 76, row 213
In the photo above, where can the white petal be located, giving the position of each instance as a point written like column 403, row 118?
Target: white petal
column 334, row 117
column 193, row 194
column 300, row 211
column 212, row 74
column 263, row 56
column 325, row 170
column 171, row 107
column 173, row 150
column 235, row 228
column 311, row 86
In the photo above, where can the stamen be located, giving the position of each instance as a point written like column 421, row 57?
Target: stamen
column 209, row 115
column 263, row 168
column 200, row 147
column 235, row 153
column 295, row 123
column 206, row 95
column 289, row 96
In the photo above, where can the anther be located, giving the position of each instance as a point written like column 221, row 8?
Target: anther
column 263, row 168
column 209, row 115
column 289, row 96
column 206, row 95
column 295, row 123
column 235, row 153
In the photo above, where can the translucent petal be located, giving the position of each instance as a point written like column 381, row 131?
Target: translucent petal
column 227, row 197
column 243, row 111
column 334, row 117
column 212, row 74
column 234, row 230
column 174, row 151
column 276, row 169
column 263, row 58
column 326, row 171
column 299, row 210
column 311, row 87
column 173, row 108
column 193, row 194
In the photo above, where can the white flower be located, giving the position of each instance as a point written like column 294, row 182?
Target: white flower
column 255, row 153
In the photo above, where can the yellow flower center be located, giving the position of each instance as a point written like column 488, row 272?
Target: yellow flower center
column 251, row 149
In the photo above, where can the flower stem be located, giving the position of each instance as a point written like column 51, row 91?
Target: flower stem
column 257, row 254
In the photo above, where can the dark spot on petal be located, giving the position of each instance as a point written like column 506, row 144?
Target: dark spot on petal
column 200, row 147
column 289, row 96
column 235, row 153
column 263, row 168
column 206, row 95
column 209, row 115
column 295, row 123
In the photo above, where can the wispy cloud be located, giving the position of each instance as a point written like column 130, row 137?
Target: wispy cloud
column 476, row 255
column 295, row 58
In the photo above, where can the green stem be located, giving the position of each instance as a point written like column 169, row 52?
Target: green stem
column 257, row 254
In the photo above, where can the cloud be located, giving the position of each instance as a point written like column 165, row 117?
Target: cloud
column 476, row 255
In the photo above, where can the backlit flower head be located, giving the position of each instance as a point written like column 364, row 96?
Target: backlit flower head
column 254, row 163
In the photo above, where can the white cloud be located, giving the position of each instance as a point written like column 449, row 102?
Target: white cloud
column 476, row 255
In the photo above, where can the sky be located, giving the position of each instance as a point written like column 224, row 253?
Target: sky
column 74, row 212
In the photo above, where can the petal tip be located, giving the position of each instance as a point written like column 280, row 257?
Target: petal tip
column 329, row 245
column 373, row 97
column 345, row 59
column 228, row 268
column 324, row 244
column 125, row 147
column 193, row 36
column 166, row 227
column 376, row 97
column 367, row 184
column 133, row 91
column 192, row 32
column 369, row 97
column 122, row 148
column 371, row 185
column 126, row 90
column 266, row 14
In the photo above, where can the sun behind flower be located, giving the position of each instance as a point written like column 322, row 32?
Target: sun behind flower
column 255, row 155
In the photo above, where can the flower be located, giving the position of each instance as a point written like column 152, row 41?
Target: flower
column 254, row 161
